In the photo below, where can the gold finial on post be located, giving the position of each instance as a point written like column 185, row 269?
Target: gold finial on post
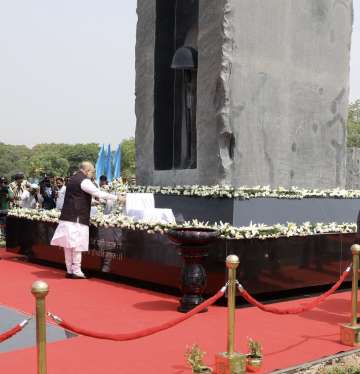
column 40, row 289
column 232, row 262
column 355, row 250
column 231, row 362
column 350, row 332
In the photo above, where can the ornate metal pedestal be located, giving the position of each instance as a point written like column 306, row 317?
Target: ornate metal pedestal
column 193, row 249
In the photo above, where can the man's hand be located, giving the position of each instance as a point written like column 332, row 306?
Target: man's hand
column 121, row 199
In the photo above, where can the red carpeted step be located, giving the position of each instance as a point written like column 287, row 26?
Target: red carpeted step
column 113, row 307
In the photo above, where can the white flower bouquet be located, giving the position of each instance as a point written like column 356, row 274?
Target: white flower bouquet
column 227, row 231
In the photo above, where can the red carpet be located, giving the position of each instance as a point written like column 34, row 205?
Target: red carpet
column 112, row 307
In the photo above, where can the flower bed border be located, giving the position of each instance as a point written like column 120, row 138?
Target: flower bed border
column 227, row 231
column 242, row 193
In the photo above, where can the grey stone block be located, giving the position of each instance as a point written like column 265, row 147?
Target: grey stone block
column 272, row 93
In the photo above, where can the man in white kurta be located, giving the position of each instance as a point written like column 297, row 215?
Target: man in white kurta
column 60, row 193
column 72, row 232
column 31, row 197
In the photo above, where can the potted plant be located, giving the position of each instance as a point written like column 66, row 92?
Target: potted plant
column 254, row 358
column 194, row 357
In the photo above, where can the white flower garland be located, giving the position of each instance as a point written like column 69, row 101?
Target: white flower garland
column 243, row 192
column 227, row 231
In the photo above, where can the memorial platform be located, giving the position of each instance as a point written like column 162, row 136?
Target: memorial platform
column 266, row 266
column 112, row 307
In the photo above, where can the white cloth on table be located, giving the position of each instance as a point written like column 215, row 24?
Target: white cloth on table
column 141, row 206
column 139, row 201
column 153, row 215
column 74, row 234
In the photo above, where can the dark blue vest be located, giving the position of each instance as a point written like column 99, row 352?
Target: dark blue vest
column 77, row 203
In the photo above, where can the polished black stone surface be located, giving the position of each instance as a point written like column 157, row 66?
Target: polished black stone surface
column 266, row 266
column 27, row 337
column 260, row 210
column 192, row 236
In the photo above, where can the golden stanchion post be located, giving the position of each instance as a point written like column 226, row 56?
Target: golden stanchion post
column 350, row 332
column 231, row 362
column 40, row 289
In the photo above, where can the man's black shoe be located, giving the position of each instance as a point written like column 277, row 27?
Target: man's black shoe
column 22, row 258
column 74, row 276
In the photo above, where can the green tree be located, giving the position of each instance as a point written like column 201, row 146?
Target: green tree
column 128, row 162
column 77, row 153
column 353, row 125
column 13, row 158
column 73, row 154
column 58, row 159
column 354, row 111
column 48, row 163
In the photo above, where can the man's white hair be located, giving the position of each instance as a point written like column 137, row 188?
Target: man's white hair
column 86, row 166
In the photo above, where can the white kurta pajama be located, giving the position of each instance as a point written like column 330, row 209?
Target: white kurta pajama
column 60, row 198
column 74, row 236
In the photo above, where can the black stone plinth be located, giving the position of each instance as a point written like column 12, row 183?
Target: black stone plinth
column 266, row 266
column 260, row 210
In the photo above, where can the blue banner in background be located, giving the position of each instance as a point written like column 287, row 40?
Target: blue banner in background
column 108, row 166
column 100, row 163
column 117, row 163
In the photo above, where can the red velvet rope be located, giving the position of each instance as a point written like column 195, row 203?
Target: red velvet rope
column 141, row 333
column 297, row 310
column 8, row 334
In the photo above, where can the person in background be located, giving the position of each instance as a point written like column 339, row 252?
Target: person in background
column 103, row 181
column 48, row 194
column 52, row 179
column 6, row 197
column 72, row 232
column 6, row 194
column 18, row 187
column 94, row 182
column 60, row 196
column 31, row 197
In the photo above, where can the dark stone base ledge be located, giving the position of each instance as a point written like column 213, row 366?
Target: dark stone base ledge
column 266, row 266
